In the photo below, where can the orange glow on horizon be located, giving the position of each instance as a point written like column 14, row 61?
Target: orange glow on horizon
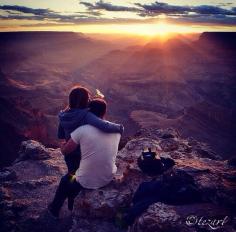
column 162, row 29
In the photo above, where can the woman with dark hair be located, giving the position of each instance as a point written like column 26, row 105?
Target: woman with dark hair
column 75, row 115
column 79, row 97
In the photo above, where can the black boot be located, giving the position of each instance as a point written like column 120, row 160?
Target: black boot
column 70, row 203
column 54, row 213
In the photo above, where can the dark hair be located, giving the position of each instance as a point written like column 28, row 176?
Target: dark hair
column 79, row 97
column 98, row 107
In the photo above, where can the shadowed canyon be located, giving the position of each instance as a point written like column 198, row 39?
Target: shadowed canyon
column 185, row 83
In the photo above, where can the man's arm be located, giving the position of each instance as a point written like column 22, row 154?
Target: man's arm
column 69, row 147
column 72, row 143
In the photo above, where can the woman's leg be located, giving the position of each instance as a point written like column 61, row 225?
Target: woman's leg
column 73, row 161
column 75, row 188
column 60, row 196
column 68, row 188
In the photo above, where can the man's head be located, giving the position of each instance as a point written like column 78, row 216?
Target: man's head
column 98, row 107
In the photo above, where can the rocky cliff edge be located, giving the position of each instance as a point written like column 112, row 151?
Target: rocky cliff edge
column 29, row 185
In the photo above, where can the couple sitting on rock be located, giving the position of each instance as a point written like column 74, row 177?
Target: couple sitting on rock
column 90, row 149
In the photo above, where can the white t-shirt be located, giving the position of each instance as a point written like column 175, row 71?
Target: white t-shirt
column 98, row 154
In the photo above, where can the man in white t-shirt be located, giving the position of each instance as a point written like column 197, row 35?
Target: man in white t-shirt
column 97, row 165
column 98, row 154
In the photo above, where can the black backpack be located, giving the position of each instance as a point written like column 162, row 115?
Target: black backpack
column 150, row 163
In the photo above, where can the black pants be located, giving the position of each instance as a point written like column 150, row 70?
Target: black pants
column 177, row 193
column 146, row 194
column 73, row 161
column 68, row 188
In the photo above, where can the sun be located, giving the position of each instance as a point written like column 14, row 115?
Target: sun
column 160, row 29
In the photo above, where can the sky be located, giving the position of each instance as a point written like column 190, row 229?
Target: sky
column 148, row 17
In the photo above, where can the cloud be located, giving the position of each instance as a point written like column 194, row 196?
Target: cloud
column 234, row 9
column 48, row 17
column 211, row 10
column 163, row 8
column 95, row 13
column 87, row 4
column 101, row 5
column 27, row 10
column 158, row 8
column 204, row 20
column 225, row 4
column 21, row 12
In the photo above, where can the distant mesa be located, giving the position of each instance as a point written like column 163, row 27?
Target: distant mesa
column 221, row 39
column 38, row 35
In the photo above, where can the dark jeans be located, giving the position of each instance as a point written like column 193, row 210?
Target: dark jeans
column 68, row 188
column 73, row 161
column 146, row 194
column 158, row 191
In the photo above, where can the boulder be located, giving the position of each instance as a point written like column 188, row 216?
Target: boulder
column 106, row 202
column 158, row 217
column 185, row 218
column 7, row 175
column 169, row 145
column 170, row 133
column 28, row 186
column 33, row 150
